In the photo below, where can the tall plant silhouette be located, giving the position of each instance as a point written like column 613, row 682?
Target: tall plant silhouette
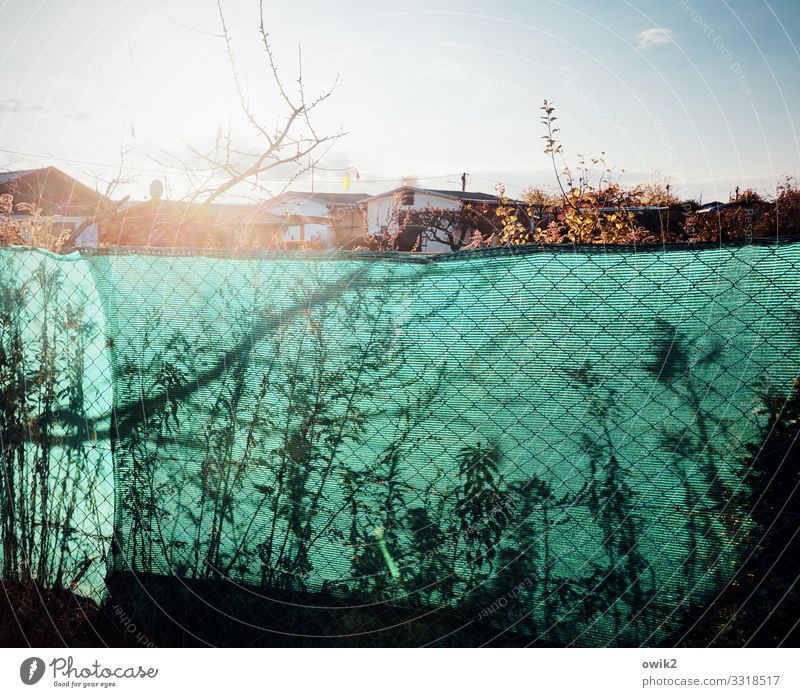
column 456, row 537
column 759, row 605
column 49, row 477
column 615, row 587
column 687, row 371
column 333, row 391
column 481, row 511
column 771, row 479
column 384, row 523
column 526, row 560
column 145, row 491
column 267, row 447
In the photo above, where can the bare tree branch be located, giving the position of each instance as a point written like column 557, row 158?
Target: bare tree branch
column 281, row 147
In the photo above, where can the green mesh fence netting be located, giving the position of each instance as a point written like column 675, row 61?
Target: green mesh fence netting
column 550, row 440
column 56, row 488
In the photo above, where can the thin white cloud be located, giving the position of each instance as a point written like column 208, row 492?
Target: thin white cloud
column 656, row 36
column 81, row 117
column 17, row 106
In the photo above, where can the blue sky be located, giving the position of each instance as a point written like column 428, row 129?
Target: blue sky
column 704, row 92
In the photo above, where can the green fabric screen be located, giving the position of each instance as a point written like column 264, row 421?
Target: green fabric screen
column 56, row 486
column 548, row 439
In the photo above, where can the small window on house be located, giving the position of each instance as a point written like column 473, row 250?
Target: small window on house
column 407, row 197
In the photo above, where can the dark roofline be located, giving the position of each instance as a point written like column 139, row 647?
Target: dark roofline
column 716, row 206
column 326, row 196
column 57, row 173
column 468, row 196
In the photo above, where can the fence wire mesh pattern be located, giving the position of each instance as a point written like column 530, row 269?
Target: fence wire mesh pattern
column 553, row 441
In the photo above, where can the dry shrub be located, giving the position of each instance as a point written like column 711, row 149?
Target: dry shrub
column 36, row 230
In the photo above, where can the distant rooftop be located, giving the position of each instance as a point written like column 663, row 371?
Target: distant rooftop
column 17, row 174
column 335, row 197
column 212, row 213
column 468, row 196
column 51, row 190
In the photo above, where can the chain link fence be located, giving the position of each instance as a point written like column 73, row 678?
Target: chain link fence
column 554, row 442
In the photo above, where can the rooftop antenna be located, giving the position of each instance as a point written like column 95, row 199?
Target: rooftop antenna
column 156, row 189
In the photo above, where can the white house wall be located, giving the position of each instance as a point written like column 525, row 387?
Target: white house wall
column 380, row 209
column 314, row 232
column 309, row 208
column 300, row 207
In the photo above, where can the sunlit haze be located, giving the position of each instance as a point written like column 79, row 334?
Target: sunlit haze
column 703, row 92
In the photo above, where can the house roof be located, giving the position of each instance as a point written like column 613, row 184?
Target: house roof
column 16, row 174
column 162, row 223
column 325, row 197
column 712, row 206
column 52, row 190
column 464, row 196
column 718, row 206
column 155, row 212
column 211, row 214
column 630, row 209
column 300, row 207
